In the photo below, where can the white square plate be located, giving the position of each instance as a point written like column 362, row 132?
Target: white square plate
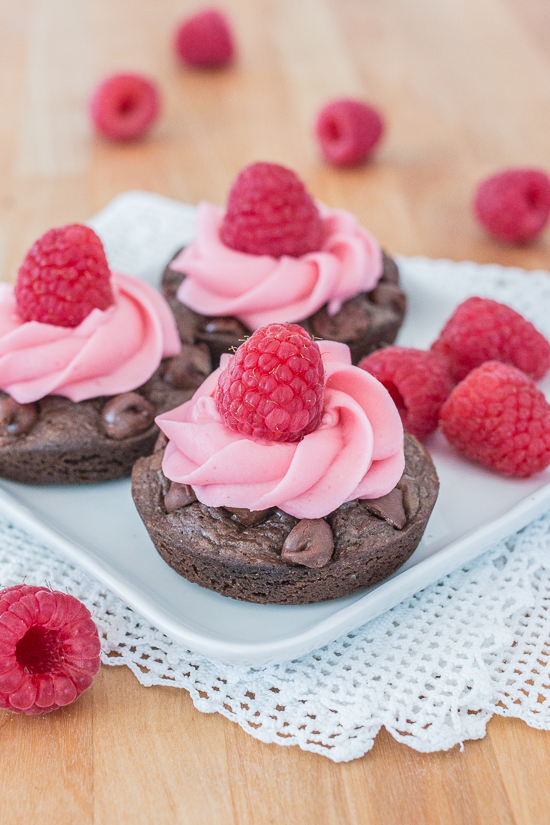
column 98, row 528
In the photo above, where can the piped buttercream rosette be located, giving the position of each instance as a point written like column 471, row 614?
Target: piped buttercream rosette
column 110, row 352
column 356, row 452
column 261, row 289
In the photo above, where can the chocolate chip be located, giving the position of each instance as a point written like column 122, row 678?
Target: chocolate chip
column 411, row 494
column 389, row 295
column 126, row 415
column 352, row 321
column 249, row 518
column 16, row 419
column 225, row 326
column 310, row 543
column 189, row 368
column 178, row 496
column 161, row 442
column 389, row 507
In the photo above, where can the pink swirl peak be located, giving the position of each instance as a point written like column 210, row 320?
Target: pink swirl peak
column 356, row 452
column 260, row 289
column 110, row 352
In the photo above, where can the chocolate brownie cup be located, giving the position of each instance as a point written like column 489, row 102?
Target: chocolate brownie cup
column 88, row 358
column 275, row 255
column 366, row 322
column 58, row 441
column 271, row 557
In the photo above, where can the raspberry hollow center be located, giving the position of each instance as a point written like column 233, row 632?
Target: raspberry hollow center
column 127, row 105
column 39, row 650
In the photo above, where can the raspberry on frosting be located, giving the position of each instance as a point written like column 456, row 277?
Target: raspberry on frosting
column 205, row 40
column 72, row 327
column 499, row 418
column 514, row 205
column 124, row 106
column 348, row 131
column 481, row 329
column 356, row 451
column 49, row 649
column 270, row 212
column 418, row 382
column 65, row 275
column 273, row 386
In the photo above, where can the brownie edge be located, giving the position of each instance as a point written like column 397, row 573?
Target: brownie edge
column 208, row 546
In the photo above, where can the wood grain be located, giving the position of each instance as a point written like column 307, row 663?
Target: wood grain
column 465, row 89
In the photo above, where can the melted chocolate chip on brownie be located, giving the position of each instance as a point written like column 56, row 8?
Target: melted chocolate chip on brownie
column 258, row 559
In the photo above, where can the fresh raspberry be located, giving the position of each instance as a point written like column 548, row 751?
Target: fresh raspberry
column 348, row 131
column 49, row 649
column 498, row 417
column 273, row 386
column 205, row 40
column 124, row 106
column 270, row 212
column 63, row 277
column 417, row 381
column 484, row 330
column 514, row 205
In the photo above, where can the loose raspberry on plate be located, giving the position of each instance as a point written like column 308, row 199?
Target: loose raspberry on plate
column 418, row 382
column 481, row 329
column 49, row 649
column 64, row 276
column 514, row 205
column 498, row 417
column 270, row 212
column 124, row 106
column 274, row 384
column 348, row 131
column 205, row 40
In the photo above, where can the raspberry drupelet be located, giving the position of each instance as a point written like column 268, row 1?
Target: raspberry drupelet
column 273, row 386
column 499, row 418
column 65, row 275
column 49, row 649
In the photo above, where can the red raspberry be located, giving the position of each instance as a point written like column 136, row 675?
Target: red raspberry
column 124, row 106
column 273, row 386
column 514, row 205
column 205, row 40
column 348, row 131
column 63, row 277
column 498, row 417
column 49, row 649
column 270, row 212
column 484, row 330
column 417, row 381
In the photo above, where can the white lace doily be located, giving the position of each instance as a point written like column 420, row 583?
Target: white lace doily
column 432, row 670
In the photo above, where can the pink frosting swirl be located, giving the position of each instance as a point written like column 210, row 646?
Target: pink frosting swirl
column 260, row 289
column 112, row 351
column 356, row 452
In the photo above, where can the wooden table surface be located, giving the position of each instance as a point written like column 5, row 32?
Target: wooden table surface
column 465, row 89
